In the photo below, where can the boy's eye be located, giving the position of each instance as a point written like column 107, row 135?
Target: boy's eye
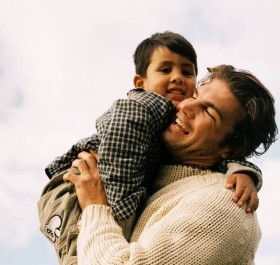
column 165, row 70
column 186, row 73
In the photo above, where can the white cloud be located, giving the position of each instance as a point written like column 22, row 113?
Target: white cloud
column 269, row 203
column 267, row 259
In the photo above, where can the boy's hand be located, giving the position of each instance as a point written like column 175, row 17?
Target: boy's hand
column 245, row 190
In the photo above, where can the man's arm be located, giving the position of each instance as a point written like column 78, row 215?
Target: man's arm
column 206, row 230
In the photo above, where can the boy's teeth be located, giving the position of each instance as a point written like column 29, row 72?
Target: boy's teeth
column 176, row 92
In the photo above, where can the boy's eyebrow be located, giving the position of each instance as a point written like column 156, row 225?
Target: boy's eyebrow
column 170, row 62
column 189, row 64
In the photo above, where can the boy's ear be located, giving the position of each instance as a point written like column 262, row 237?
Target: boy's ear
column 138, row 81
column 225, row 152
column 237, row 151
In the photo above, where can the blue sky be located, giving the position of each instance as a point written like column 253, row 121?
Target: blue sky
column 62, row 64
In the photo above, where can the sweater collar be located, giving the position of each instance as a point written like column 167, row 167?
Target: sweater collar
column 171, row 173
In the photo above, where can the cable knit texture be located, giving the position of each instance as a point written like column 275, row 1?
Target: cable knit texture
column 190, row 219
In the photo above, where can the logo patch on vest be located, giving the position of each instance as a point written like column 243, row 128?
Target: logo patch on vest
column 52, row 228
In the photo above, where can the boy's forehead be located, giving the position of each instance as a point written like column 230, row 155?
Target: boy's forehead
column 164, row 54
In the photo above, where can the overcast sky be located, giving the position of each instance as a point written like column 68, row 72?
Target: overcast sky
column 62, row 64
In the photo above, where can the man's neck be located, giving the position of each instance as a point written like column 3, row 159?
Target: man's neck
column 204, row 162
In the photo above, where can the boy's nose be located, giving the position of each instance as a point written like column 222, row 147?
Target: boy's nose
column 177, row 77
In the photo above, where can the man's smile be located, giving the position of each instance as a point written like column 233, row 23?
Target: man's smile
column 181, row 126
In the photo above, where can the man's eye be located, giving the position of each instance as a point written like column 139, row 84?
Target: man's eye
column 165, row 70
column 208, row 111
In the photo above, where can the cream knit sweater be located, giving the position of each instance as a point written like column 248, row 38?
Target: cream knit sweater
column 190, row 219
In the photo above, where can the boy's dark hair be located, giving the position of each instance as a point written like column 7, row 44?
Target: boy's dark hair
column 173, row 41
column 256, row 129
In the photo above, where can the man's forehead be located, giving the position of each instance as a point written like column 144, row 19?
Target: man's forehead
column 218, row 94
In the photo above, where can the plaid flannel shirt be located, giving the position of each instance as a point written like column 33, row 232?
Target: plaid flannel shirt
column 129, row 149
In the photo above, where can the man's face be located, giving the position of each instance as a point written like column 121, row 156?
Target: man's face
column 201, row 124
column 169, row 74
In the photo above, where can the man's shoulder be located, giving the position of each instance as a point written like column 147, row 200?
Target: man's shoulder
column 210, row 192
column 212, row 202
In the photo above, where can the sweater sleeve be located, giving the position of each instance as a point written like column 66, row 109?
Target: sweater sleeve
column 205, row 229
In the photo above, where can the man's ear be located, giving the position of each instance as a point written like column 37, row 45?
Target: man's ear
column 138, row 81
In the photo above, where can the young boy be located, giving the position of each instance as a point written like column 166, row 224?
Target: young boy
column 128, row 138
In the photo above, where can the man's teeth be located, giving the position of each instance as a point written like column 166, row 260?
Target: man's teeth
column 181, row 124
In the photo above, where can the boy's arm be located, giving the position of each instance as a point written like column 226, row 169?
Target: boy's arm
column 242, row 166
column 126, row 137
column 244, row 191
column 65, row 161
column 246, row 179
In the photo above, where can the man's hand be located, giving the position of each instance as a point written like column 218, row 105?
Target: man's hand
column 88, row 184
column 245, row 190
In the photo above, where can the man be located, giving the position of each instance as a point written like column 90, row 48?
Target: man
column 190, row 218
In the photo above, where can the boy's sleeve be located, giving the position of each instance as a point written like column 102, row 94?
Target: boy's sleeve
column 242, row 166
column 65, row 161
column 127, row 136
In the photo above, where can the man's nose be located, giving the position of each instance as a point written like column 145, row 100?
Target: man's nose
column 188, row 108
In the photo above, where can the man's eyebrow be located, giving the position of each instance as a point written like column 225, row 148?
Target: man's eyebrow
column 211, row 105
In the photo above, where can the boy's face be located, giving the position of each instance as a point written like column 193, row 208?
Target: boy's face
column 169, row 74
